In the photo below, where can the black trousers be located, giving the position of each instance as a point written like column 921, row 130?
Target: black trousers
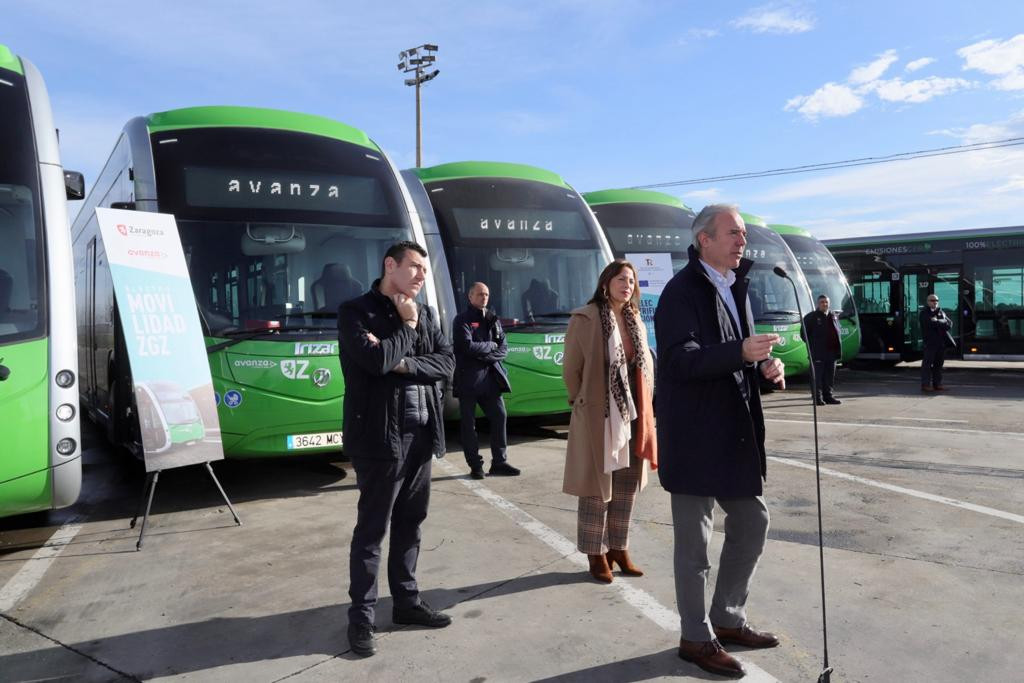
column 493, row 406
column 824, row 376
column 399, row 491
column 931, row 366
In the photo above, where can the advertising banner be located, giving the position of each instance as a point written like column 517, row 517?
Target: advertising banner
column 653, row 271
column 166, row 351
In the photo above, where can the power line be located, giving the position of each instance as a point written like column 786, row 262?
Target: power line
column 847, row 163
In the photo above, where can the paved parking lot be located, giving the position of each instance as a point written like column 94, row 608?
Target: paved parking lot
column 924, row 513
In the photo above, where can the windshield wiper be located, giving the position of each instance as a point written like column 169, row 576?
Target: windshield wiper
column 779, row 313
column 239, row 336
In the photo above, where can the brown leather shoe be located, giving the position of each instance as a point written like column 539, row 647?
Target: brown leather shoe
column 745, row 636
column 599, row 568
column 621, row 558
column 926, row 389
column 941, row 388
column 709, row 655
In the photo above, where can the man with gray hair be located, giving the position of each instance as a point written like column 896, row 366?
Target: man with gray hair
column 711, row 435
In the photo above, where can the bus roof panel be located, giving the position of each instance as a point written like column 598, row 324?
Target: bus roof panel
column 633, row 197
column 753, row 219
column 253, row 117
column 10, row 61
column 789, row 230
column 488, row 169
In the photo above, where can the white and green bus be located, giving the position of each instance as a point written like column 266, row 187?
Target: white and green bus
column 40, row 459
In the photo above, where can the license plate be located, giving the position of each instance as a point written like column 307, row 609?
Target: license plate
column 321, row 440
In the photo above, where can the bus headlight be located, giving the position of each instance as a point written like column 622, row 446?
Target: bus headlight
column 65, row 378
column 65, row 412
column 66, row 446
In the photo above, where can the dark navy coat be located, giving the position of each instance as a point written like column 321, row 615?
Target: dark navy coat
column 710, row 439
column 373, row 408
column 480, row 346
column 935, row 327
column 818, row 326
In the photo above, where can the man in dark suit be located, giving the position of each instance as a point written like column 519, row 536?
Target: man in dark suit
column 935, row 327
column 480, row 378
column 823, row 335
column 711, row 435
column 394, row 357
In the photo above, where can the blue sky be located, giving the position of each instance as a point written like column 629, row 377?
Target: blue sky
column 608, row 94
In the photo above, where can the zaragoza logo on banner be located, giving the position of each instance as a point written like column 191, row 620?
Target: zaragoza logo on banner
column 173, row 389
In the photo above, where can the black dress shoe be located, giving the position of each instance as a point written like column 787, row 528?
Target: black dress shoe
column 360, row 637
column 832, row 400
column 420, row 615
column 819, row 402
column 477, row 472
column 503, row 469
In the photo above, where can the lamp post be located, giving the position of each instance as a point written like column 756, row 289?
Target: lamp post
column 416, row 60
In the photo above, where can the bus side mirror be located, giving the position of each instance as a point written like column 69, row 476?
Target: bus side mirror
column 74, row 185
column 127, row 206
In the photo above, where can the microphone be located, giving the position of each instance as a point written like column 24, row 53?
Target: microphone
column 826, row 672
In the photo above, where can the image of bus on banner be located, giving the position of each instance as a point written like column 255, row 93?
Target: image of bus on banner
column 41, row 465
column 824, row 276
column 531, row 238
column 282, row 216
column 654, row 222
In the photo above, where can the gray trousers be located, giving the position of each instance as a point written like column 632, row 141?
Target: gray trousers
column 746, row 528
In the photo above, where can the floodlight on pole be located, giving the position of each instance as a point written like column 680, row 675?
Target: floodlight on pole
column 416, row 62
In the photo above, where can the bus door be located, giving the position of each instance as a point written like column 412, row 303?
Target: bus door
column 876, row 292
column 918, row 284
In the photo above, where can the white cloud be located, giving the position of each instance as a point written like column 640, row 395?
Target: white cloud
column 1012, row 127
column 708, row 195
column 874, row 70
column 998, row 58
column 775, row 18
column 1014, row 184
column 921, row 90
column 695, row 34
column 831, row 99
column 918, row 64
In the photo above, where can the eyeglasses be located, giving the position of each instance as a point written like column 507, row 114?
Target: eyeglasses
column 933, row 301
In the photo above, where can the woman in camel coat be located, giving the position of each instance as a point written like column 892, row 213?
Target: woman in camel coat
column 608, row 371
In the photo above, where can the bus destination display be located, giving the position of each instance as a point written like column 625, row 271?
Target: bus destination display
column 525, row 224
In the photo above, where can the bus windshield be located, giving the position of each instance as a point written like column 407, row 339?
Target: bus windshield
column 22, row 304
column 822, row 272
column 278, row 228
column 644, row 228
column 771, row 296
column 535, row 245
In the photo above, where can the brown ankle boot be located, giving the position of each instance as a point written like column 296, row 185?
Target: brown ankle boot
column 599, row 568
column 621, row 558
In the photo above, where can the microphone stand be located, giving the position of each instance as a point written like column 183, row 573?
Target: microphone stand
column 826, row 672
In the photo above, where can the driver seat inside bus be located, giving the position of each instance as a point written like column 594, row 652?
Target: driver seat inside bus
column 539, row 298
column 334, row 287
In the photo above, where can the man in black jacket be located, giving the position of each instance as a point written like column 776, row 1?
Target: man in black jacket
column 711, row 435
column 394, row 358
column 480, row 378
column 823, row 336
column 935, row 327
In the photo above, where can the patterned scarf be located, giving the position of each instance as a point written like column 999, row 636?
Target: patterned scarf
column 618, row 380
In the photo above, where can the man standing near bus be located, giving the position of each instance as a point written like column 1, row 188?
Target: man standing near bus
column 822, row 333
column 935, row 327
column 480, row 378
column 711, row 435
column 394, row 358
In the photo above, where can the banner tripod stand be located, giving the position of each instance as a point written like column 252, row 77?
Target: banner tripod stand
column 150, row 489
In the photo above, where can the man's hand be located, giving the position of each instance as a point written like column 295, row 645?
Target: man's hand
column 758, row 347
column 401, row 368
column 370, row 337
column 774, row 370
column 406, row 307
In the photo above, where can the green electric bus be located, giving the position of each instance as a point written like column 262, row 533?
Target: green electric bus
column 40, row 460
column 282, row 216
column 532, row 239
column 824, row 276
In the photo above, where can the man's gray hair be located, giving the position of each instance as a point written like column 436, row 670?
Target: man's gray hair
column 705, row 220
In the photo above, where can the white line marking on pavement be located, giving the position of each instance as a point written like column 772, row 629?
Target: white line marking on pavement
column 771, row 412
column 1019, row 435
column 992, row 512
column 32, row 572
column 643, row 601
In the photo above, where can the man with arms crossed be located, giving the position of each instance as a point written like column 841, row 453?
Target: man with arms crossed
column 711, row 435
column 394, row 357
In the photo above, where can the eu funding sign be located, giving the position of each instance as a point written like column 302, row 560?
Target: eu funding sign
column 163, row 337
column 653, row 271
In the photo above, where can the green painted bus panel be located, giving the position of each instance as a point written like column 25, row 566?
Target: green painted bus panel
column 791, row 349
column 488, row 169
column 850, row 343
column 789, row 230
column 24, row 405
column 10, row 61
column 633, row 197
column 184, row 433
column 753, row 219
column 534, row 366
column 271, row 383
column 253, row 117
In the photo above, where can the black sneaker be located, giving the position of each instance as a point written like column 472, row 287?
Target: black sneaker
column 360, row 637
column 477, row 472
column 832, row 400
column 420, row 615
column 503, row 469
